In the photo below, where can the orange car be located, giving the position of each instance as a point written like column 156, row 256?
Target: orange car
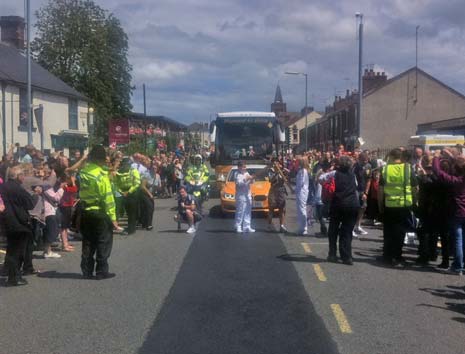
column 259, row 189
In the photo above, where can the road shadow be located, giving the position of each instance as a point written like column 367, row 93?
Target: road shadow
column 227, row 231
column 451, row 293
column 377, row 260
column 57, row 275
column 296, row 257
column 450, row 306
column 175, row 231
column 216, row 213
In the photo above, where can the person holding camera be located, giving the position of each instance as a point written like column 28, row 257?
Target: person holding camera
column 186, row 209
column 456, row 183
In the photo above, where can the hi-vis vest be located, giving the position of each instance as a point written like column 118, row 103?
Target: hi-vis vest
column 397, row 186
column 128, row 181
column 196, row 174
column 95, row 190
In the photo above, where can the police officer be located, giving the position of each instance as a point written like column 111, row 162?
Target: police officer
column 198, row 172
column 196, row 179
column 396, row 200
column 98, row 215
column 128, row 184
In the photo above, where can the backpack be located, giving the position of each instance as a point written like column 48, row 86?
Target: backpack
column 327, row 190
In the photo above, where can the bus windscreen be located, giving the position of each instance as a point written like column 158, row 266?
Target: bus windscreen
column 247, row 138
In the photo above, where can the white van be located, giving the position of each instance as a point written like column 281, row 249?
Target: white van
column 436, row 141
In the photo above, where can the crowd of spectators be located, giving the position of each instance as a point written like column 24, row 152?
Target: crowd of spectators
column 344, row 192
column 50, row 209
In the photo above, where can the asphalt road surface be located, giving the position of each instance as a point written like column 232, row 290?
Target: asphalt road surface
column 220, row 292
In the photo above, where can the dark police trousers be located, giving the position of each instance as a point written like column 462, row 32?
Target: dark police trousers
column 396, row 224
column 131, row 204
column 16, row 253
column 97, row 238
column 341, row 223
column 147, row 208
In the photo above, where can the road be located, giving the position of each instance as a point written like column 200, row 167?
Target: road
column 220, row 292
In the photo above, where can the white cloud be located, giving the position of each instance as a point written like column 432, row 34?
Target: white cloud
column 160, row 70
column 201, row 56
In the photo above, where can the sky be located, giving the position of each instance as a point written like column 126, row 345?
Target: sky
column 199, row 57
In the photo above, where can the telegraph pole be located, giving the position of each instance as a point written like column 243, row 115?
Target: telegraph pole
column 359, row 16
column 145, row 120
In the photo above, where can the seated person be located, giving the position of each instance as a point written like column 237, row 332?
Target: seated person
column 186, row 209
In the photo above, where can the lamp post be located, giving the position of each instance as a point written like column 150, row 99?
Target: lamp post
column 306, row 102
column 359, row 17
column 28, row 68
column 4, row 117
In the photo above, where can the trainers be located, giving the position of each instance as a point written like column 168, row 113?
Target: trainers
column 239, row 230
column 51, row 255
column 360, row 231
column 191, row 230
column 249, row 229
column 282, row 229
column 354, row 234
column 453, row 271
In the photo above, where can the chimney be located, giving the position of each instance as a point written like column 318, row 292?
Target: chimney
column 372, row 80
column 12, row 28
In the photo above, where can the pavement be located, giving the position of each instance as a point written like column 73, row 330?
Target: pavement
column 220, row 292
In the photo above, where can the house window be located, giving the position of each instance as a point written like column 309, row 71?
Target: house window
column 295, row 132
column 23, row 110
column 73, row 114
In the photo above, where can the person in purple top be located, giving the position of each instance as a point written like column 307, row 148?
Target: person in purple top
column 457, row 184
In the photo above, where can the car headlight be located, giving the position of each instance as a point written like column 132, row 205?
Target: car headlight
column 228, row 196
column 222, row 178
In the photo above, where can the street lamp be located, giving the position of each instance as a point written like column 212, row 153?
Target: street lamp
column 306, row 104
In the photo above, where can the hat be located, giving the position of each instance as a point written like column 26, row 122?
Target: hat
column 98, row 153
column 126, row 161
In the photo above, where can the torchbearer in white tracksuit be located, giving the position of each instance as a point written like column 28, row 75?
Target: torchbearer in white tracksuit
column 243, row 199
column 301, row 193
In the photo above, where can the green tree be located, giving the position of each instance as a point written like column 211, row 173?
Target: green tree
column 87, row 48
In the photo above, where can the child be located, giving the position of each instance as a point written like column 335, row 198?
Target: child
column 67, row 202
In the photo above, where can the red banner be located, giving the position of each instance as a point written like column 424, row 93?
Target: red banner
column 119, row 131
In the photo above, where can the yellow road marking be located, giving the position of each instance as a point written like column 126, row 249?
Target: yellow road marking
column 306, row 247
column 319, row 272
column 341, row 318
column 2, row 251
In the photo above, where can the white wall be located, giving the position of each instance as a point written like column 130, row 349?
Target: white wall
column 391, row 114
column 55, row 117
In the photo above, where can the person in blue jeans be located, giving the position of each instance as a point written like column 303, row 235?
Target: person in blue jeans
column 457, row 184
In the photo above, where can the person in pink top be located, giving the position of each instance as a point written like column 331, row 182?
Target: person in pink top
column 2, row 205
column 68, row 201
column 51, row 202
